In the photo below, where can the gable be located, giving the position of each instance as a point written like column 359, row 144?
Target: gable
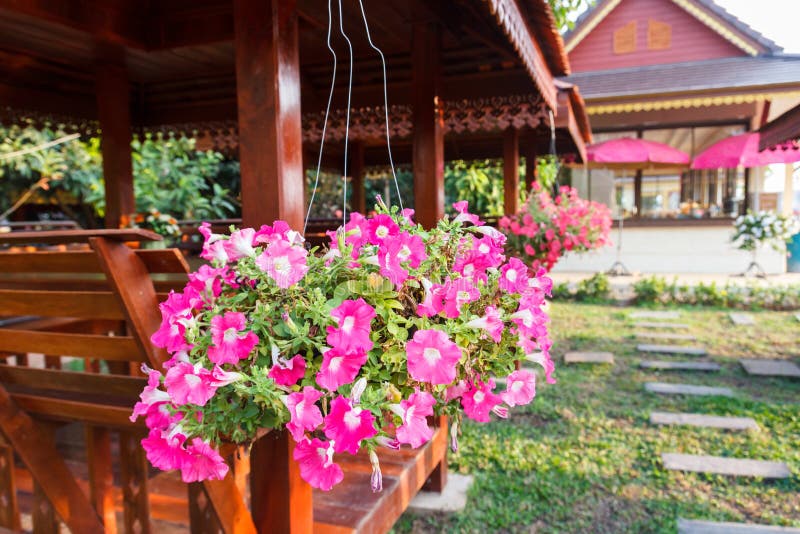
column 648, row 32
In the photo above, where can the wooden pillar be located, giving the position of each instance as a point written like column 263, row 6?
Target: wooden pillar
column 280, row 500
column 428, row 139
column 268, row 100
column 530, row 163
column 511, row 171
column 358, row 199
column 114, row 115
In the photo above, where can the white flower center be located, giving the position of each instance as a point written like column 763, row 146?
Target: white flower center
column 511, row 274
column 469, row 269
column 431, row 355
column 463, row 296
column 335, row 363
column 282, row 265
column 478, row 397
column 230, row 335
column 348, row 323
column 382, row 231
column 351, row 419
column 409, row 414
column 517, row 385
column 483, row 248
column 299, row 408
column 404, row 253
column 192, row 380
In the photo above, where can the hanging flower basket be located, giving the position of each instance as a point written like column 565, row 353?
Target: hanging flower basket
column 348, row 347
column 546, row 228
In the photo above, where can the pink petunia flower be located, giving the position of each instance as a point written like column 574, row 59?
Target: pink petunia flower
column 520, row 388
column 463, row 215
column 315, row 458
column 380, row 228
column 287, row 372
column 305, row 414
column 339, row 367
column 513, row 276
column 414, row 412
column 472, row 265
column 165, row 449
column 479, row 401
column 206, row 283
column 151, row 400
column 353, row 318
column 457, row 293
column 433, row 303
column 432, row 357
column 347, row 425
column 490, row 322
column 229, row 343
column 202, row 462
column 284, row 263
column 542, row 357
column 224, row 378
column 190, row 384
column 240, row 244
column 489, row 249
column 390, row 262
column 411, row 249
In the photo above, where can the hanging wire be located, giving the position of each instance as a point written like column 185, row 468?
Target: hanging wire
column 347, row 123
column 385, row 103
column 553, row 152
column 324, row 124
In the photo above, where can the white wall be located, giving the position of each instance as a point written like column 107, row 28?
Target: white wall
column 699, row 249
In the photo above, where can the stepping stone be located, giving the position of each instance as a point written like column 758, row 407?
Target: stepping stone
column 452, row 499
column 679, row 366
column 648, row 324
column 666, row 336
column 589, row 357
column 672, row 349
column 718, row 465
column 689, row 526
column 742, row 319
column 655, row 315
column 686, row 389
column 702, row 420
column 771, row 368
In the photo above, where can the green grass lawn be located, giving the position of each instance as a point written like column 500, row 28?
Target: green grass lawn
column 583, row 458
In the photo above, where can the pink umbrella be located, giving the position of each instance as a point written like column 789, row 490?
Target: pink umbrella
column 742, row 151
column 634, row 153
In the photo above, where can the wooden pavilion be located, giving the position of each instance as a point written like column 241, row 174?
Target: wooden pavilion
column 240, row 72
column 255, row 72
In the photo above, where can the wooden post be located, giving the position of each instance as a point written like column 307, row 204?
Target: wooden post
column 637, row 193
column 511, row 171
column 280, row 500
column 114, row 115
column 268, row 99
column 358, row 199
column 428, row 139
column 530, row 163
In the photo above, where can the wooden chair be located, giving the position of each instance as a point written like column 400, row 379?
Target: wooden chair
column 99, row 303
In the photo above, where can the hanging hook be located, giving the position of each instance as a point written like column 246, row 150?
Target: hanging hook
column 325, row 123
column 347, row 123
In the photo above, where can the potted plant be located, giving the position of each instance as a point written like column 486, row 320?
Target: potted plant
column 546, row 228
column 163, row 224
column 763, row 228
column 347, row 347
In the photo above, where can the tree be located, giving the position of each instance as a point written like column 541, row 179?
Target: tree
column 563, row 9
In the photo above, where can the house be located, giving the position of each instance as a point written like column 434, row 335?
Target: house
column 685, row 73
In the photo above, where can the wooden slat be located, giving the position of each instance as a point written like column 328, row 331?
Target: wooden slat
column 94, row 305
column 134, row 468
column 72, row 410
column 101, row 475
column 55, row 237
column 9, row 511
column 134, row 292
column 202, row 516
column 229, row 505
column 38, row 452
column 113, row 385
column 85, row 261
column 122, row 348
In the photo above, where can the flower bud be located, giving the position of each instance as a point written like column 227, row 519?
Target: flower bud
column 376, row 480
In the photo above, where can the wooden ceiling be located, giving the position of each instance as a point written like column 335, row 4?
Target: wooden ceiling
column 179, row 54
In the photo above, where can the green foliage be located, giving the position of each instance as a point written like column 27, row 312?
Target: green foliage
column 478, row 182
column 562, row 9
column 595, row 289
column 657, row 290
column 170, row 175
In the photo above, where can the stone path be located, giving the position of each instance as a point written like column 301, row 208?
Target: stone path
column 771, row 368
column 452, row 499
column 703, row 420
column 742, row 319
column 679, row 366
column 686, row 389
column 672, row 349
column 687, row 526
column 589, row 357
column 648, row 324
column 655, row 315
column 665, row 336
column 719, row 465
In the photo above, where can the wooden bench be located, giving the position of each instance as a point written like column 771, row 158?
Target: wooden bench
column 99, row 303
